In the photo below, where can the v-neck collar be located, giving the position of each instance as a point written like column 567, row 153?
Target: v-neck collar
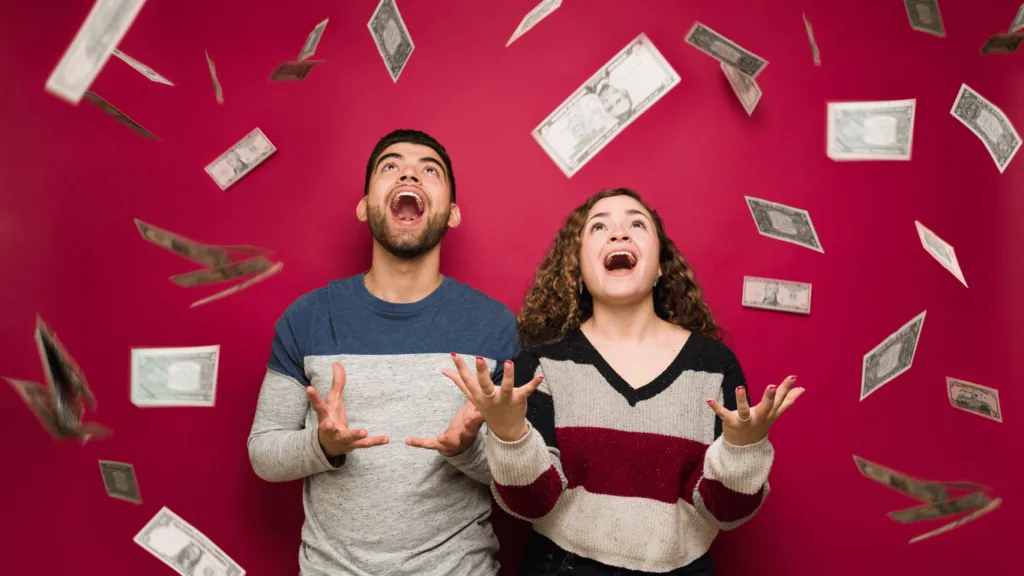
column 634, row 395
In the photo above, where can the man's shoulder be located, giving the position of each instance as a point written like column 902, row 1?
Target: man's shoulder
column 480, row 305
column 307, row 305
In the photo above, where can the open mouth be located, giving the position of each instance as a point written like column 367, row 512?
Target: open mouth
column 406, row 207
column 620, row 261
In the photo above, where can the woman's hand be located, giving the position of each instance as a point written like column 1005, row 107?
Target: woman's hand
column 504, row 408
column 747, row 425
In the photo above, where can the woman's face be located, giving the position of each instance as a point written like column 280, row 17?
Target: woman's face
column 619, row 251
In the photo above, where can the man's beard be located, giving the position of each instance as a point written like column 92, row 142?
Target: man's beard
column 407, row 246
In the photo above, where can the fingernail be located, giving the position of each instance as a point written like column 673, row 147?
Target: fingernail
column 479, row 358
column 738, row 388
column 540, row 378
column 453, row 354
column 710, row 401
column 508, row 362
column 793, row 378
column 771, row 387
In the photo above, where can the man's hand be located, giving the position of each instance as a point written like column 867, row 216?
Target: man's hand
column 335, row 436
column 459, row 435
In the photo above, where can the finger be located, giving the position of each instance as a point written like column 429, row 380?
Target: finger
column 530, row 386
column 782, row 392
column 370, row 442
column 468, row 379
column 350, row 436
column 742, row 406
column 473, row 423
column 428, row 443
column 791, row 398
column 337, row 384
column 766, row 406
column 508, row 381
column 454, row 377
column 317, row 404
column 483, row 377
column 719, row 409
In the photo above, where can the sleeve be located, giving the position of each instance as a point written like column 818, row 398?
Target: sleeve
column 283, row 443
column 731, row 484
column 527, row 473
column 473, row 461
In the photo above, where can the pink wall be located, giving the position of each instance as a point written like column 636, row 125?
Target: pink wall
column 73, row 180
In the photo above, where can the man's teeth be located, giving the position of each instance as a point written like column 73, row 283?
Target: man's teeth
column 400, row 195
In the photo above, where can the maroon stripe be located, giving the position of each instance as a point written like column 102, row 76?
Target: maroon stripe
column 728, row 505
column 536, row 498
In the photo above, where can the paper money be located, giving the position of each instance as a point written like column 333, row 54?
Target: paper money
column 40, row 401
column 1002, row 44
column 810, row 37
column 1018, row 21
column 186, row 550
column 900, row 482
column 892, row 357
column 240, row 159
column 974, row 398
column 925, row 17
column 142, row 68
column 241, row 286
column 116, row 114
column 293, row 71
column 745, row 88
column 175, row 376
column 995, row 503
column 784, row 223
column 608, row 102
column 989, row 124
column 217, row 91
column 222, row 273
column 780, row 295
column 102, row 31
column 533, row 17
column 942, row 509
column 724, row 50
column 313, row 40
column 940, row 250
column 881, row 130
column 391, row 37
column 190, row 249
column 71, row 391
column 120, row 481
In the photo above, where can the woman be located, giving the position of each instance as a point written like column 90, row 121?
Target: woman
column 597, row 435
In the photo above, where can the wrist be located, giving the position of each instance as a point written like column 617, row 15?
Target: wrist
column 511, row 433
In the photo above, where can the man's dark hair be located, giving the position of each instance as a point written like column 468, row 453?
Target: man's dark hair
column 412, row 137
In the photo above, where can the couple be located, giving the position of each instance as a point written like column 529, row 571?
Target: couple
column 378, row 386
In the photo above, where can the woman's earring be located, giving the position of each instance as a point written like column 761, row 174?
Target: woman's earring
column 656, row 280
column 581, row 288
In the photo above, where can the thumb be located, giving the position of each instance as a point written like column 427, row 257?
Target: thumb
column 473, row 423
column 337, row 383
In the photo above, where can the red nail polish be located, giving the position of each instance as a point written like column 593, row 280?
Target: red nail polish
column 710, row 401
column 771, row 387
column 508, row 362
column 738, row 388
column 540, row 378
column 453, row 354
column 479, row 359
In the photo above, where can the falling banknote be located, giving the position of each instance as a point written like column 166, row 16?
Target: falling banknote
column 778, row 295
column 925, row 17
column 943, row 509
column 533, row 17
column 992, row 505
column 989, row 124
column 974, row 398
column 240, row 159
column 174, row 376
column 293, row 71
column 784, row 223
column 903, row 483
column 142, row 68
column 724, row 50
column 940, row 250
column 881, row 130
column 608, row 102
column 1002, row 44
column 186, row 550
column 116, row 114
column 1018, row 21
column 218, row 92
column 745, row 88
column 120, row 481
column 391, row 37
column 892, row 357
column 810, row 37
column 313, row 40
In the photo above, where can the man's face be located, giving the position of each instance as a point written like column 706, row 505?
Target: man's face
column 408, row 205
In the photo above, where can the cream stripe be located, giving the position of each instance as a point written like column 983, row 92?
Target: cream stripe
column 741, row 468
column 698, row 502
column 521, row 462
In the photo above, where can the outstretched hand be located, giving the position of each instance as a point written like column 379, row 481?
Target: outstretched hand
column 332, row 430
column 459, row 435
column 747, row 425
column 503, row 407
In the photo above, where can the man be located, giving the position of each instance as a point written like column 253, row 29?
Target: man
column 357, row 364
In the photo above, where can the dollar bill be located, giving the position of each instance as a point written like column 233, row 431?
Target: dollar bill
column 1018, row 21
column 974, row 398
column 186, row 550
column 942, row 509
column 120, row 481
column 293, row 71
column 71, row 392
column 991, row 506
column 724, row 50
column 391, row 37
column 222, row 273
column 102, row 31
column 900, row 482
column 190, row 249
column 892, row 357
column 784, row 223
column 218, row 92
column 142, row 68
column 241, row 286
column 940, row 250
column 810, row 37
column 313, row 40
column 175, row 376
column 242, row 158
column 40, row 401
column 780, row 295
column 745, row 88
column 925, row 17
column 116, row 114
column 533, row 17
column 609, row 101
column 989, row 124
column 882, row 130
column 1002, row 44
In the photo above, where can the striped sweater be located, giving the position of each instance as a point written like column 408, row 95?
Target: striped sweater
column 638, row 478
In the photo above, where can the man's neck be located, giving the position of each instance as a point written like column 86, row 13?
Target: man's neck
column 635, row 322
column 403, row 281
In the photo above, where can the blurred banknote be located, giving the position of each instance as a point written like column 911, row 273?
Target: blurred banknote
column 240, row 159
column 120, row 481
column 116, row 114
column 313, row 40
column 175, row 376
column 142, row 68
column 810, row 37
column 892, row 357
column 1002, row 44
column 293, row 71
column 195, row 251
column 925, row 17
column 391, row 37
column 900, row 482
column 222, row 273
column 974, row 398
column 724, row 50
column 784, row 223
column 533, row 17
column 881, row 130
column 940, row 250
column 241, row 285
column 102, row 31
column 218, row 93
column 779, row 295
column 989, row 124
column 608, row 102
column 745, row 88
column 992, row 505
column 1018, row 21
column 186, row 550
column 941, row 509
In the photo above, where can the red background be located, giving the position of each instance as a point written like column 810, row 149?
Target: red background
column 73, row 179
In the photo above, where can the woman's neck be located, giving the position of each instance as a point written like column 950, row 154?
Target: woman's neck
column 634, row 322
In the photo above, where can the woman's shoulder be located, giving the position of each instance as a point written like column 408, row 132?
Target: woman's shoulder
column 710, row 349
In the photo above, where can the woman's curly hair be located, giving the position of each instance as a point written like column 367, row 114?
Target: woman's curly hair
column 555, row 304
